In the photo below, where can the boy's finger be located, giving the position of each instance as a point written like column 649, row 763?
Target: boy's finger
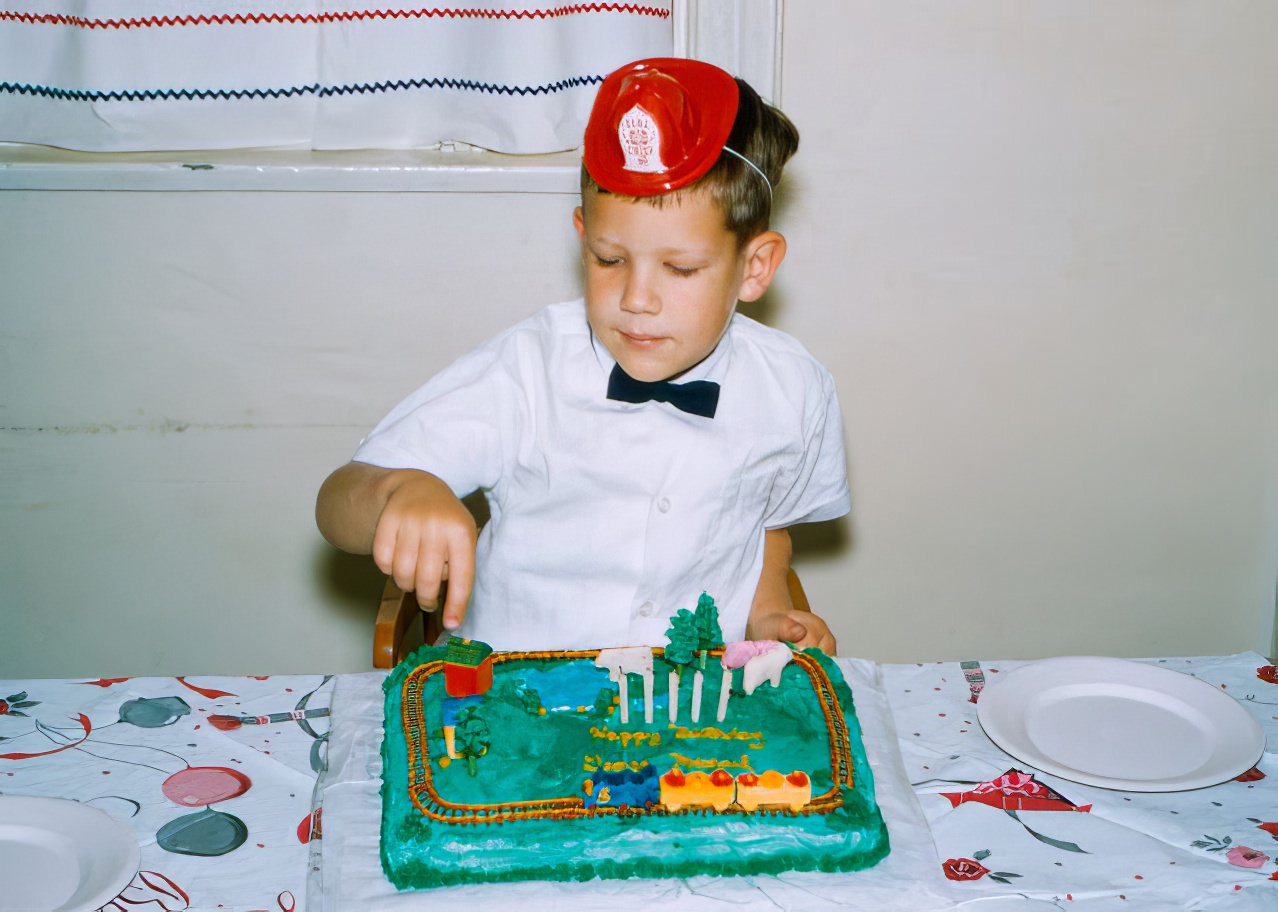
column 384, row 537
column 815, row 633
column 430, row 573
column 404, row 560
column 795, row 630
column 461, row 577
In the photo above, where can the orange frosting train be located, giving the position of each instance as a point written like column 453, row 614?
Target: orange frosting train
column 697, row 789
column 771, row 787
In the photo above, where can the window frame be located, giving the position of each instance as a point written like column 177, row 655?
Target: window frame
column 742, row 36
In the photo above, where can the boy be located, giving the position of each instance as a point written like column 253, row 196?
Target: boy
column 637, row 448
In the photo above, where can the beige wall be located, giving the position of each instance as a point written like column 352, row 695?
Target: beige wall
column 1037, row 242
column 180, row 372
column 1033, row 240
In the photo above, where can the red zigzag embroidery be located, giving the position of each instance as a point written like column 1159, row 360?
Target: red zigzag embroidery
column 320, row 18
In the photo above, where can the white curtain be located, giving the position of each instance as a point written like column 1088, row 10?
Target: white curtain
column 133, row 75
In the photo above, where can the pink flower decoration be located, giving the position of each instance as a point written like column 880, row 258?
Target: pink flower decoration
column 1244, row 857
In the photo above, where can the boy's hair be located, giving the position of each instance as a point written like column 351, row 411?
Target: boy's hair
column 762, row 134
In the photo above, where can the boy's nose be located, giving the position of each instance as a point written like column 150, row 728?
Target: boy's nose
column 639, row 296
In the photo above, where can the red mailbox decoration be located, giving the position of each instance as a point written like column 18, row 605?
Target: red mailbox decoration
column 468, row 667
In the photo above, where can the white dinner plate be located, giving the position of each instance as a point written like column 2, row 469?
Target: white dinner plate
column 1120, row 724
column 61, row 856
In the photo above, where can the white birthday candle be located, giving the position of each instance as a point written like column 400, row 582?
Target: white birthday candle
column 724, row 691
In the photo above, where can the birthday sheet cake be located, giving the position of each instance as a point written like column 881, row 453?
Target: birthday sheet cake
column 616, row 763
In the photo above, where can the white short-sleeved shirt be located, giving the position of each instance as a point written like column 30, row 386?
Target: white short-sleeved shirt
column 608, row 517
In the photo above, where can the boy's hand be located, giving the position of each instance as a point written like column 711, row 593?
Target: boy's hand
column 417, row 530
column 802, row 628
column 772, row 613
column 424, row 536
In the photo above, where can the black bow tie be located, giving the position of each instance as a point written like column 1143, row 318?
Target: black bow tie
column 696, row 397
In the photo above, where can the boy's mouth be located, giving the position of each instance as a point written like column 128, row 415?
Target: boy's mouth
column 642, row 340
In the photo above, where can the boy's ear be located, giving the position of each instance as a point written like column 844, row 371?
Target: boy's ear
column 763, row 254
column 579, row 222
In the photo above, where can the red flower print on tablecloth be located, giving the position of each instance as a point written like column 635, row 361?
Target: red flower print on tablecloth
column 1240, row 855
column 203, row 691
column 1015, row 791
column 80, row 719
column 1252, row 775
column 1245, row 857
column 150, row 888
column 14, row 704
column 1270, row 828
column 1268, row 673
column 312, row 826
column 963, row 869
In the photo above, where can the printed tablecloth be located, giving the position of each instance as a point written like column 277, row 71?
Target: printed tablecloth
column 215, row 776
column 217, row 779
column 1002, row 828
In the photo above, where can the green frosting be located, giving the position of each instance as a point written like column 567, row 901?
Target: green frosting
column 548, row 784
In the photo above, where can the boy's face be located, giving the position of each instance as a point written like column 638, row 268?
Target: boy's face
column 661, row 284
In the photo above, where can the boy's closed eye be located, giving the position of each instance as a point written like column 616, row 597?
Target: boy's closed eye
column 682, row 271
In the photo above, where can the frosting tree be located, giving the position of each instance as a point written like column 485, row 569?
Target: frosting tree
column 692, row 634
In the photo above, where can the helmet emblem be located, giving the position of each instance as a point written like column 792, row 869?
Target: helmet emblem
column 640, row 141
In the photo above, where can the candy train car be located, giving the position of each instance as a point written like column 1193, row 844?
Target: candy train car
column 677, row 790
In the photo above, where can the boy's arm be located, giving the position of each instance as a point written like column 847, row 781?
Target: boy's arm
column 411, row 522
column 772, row 614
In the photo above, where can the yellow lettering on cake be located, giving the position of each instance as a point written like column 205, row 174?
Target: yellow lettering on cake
column 593, row 763
column 627, row 738
column 712, row 763
column 617, row 766
column 683, row 733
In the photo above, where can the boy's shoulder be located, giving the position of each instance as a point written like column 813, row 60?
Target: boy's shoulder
column 774, row 345
column 564, row 315
column 548, row 326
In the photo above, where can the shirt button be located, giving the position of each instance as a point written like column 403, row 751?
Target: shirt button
column 664, row 505
column 647, row 609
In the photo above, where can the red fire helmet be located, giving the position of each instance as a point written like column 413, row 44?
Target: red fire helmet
column 658, row 125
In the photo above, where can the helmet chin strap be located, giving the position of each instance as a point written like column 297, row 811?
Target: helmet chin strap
column 757, row 169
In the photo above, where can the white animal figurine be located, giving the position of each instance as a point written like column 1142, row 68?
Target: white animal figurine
column 766, row 665
column 622, row 661
column 762, row 661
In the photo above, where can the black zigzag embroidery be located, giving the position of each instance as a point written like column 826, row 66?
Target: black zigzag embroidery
column 398, row 85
